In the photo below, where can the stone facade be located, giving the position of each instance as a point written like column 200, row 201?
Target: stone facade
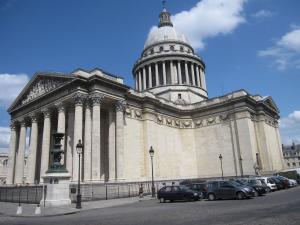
column 291, row 155
column 168, row 109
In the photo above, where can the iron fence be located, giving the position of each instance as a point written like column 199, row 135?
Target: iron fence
column 22, row 194
column 92, row 191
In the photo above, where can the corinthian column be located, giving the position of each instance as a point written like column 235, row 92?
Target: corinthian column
column 193, row 75
column 187, row 78
column 61, row 121
column 150, row 76
column 45, row 143
column 88, row 143
column 172, row 73
column 120, row 139
column 112, row 145
column 78, row 119
column 164, row 73
column 198, row 76
column 20, row 155
column 32, row 150
column 140, row 80
column 96, row 99
column 12, row 154
column 156, row 75
column 144, row 79
column 179, row 72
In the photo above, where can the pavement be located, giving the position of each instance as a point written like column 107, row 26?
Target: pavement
column 29, row 210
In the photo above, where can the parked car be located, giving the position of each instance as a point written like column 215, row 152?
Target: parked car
column 200, row 187
column 259, row 188
column 175, row 193
column 284, row 181
column 271, row 185
column 227, row 190
column 279, row 183
column 293, row 182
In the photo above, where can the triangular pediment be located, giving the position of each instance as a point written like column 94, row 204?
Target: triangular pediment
column 40, row 85
column 268, row 101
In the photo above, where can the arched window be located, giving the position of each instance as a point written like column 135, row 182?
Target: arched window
column 161, row 48
column 181, row 49
column 152, row 51
column 172, row 48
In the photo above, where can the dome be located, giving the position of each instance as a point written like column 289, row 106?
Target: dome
column 164, row 33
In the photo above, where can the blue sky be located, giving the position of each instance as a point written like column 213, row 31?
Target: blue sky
column 252, row 45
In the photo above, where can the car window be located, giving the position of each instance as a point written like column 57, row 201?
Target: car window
column 174, row 189
column 270, row 181
column 168, row 189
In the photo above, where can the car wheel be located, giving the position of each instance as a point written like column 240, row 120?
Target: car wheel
column 240, row 195
column 256, row 194
column 162, row 200
column 268, row 190
column 211, row 197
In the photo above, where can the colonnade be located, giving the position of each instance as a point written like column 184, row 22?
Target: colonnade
column 80, row 120
column 169, row 72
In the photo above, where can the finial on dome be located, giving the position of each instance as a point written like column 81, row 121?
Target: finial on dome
column 164, row 17
column 164, row 4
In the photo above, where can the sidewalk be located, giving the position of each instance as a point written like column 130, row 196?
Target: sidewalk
column 10, row 209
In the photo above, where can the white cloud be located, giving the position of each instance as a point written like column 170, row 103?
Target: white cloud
column 262, row 14
column 10, row 86
column 4, row 138
column 290, row 128
column 286, row 51
column 209, row 18
column 291, row 40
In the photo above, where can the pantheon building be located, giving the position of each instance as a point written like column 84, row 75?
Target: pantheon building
column 168, row 109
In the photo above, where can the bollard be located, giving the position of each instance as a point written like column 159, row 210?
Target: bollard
column 19, row 210
column 37, row 210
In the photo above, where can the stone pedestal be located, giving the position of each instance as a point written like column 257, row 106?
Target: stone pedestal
column 57, row 189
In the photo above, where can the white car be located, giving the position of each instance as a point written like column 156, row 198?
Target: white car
column 270, row 183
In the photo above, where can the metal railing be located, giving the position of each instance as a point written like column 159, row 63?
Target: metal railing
column 92, row 191
column 22, row 194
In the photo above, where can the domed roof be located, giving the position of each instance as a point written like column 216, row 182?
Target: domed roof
column 164, row 33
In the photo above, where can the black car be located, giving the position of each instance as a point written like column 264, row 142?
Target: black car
column 259, row 188
column 175, row 193
column 227, row 190
column 200, row 187
column 279, row 183
column 284, row 181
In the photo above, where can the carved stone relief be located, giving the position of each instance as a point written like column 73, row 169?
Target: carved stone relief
column 41, row 87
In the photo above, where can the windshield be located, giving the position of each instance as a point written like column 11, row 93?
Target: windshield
column 235, row 183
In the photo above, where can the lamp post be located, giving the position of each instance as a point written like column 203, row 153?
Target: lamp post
column 221, row 158
column 241, row 164
column 79, row 149
column 151, row 153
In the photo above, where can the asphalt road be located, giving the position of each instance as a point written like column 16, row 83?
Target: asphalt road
column 281, row 207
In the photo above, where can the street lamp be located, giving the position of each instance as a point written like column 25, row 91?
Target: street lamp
column 151, row 153
column 241, row 164
column 79, row 149
column 221, row 157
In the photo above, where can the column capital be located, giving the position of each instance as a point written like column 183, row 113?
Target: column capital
column 23, row 123
column 13, row 124
column 46, row 112
column 96, row 98
column 60, row 106
column 120, row 105
column 33, row 117
column 79, row 98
